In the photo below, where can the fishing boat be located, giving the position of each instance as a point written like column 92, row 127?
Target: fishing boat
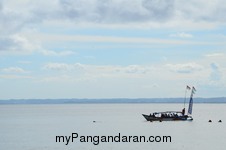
column 174, row 115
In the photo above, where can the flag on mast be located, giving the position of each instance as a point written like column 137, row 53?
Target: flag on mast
column 188, row 87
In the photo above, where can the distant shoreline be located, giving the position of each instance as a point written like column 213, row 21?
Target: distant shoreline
column 111, row 101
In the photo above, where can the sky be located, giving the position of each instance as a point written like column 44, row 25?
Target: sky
column 112, row 48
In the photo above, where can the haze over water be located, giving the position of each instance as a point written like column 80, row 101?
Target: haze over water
column 35, row 127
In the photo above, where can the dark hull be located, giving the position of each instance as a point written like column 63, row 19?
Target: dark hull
column 178, row 118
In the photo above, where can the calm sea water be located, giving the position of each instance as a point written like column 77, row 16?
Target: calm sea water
column 35, row 127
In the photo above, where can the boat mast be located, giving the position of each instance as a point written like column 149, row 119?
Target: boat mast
column 185, row 95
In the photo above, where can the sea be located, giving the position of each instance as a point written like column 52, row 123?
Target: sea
column 39, row 127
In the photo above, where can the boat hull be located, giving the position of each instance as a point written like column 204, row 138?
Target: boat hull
column 178, row 118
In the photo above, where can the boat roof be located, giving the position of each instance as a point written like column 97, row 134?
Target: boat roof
column 168, row 112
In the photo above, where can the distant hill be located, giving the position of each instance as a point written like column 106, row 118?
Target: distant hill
column 116, row 100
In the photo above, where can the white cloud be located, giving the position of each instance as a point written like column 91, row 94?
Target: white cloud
column 55, row 53
column 106, row 11
column 112, row 39
column 185, row 68
column 13, row 76
column 216, row 74
column 202, row 10
column 98, row 68
column 136, row 69
column 140, row 78
column 25, row 45
column 24, row 28
column 17, row 15
column 215, row 55
column 16, row 44
column 182, row 35
column 13, row 70
column 216, row 58
column 98, row 71
column 63, row 66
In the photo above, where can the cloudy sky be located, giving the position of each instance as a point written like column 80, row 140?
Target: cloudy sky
column 112, row 48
